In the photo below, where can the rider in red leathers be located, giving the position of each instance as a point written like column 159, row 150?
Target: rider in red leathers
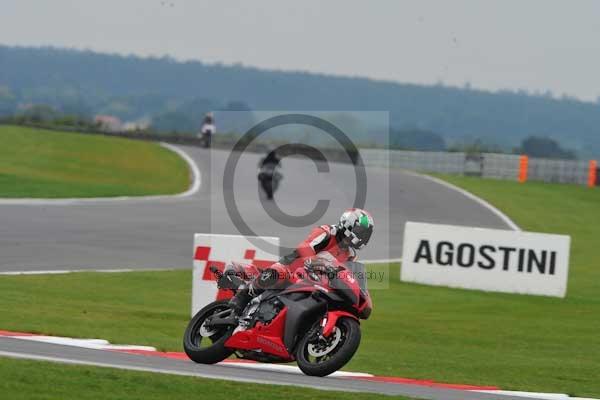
column 341, row 241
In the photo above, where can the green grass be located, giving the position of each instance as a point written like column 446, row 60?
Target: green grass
column 513, row 341
column 41, row 380
column 47, row 164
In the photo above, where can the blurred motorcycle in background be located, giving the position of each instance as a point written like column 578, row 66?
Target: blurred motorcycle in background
column 268, row 173
column 269, row 178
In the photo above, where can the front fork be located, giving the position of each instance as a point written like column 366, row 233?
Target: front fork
column 330, row 320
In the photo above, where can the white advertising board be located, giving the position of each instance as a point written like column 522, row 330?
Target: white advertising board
column 486, row 259
column 219, row 250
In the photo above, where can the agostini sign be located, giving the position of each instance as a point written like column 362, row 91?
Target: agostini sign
column 486, row 259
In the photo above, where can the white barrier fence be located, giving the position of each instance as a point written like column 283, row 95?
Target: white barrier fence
column 211, row 250
column 486, row 259
column 487, row 165
column 558, row 171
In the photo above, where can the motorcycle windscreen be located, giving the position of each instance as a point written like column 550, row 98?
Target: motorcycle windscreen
column 359, row 273
column 346, row 286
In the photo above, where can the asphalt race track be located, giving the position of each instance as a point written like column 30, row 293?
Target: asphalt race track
column 158, row 233
column 75, row 355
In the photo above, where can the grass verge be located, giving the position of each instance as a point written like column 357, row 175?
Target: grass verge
column 516, row 342
column 22, row 379
column 449, row 335
column 48, row 164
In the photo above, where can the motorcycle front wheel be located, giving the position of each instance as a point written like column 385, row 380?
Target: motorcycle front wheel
column 206, row 345
column 320, row 357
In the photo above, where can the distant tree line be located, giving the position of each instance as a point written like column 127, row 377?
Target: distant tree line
column 416, row 139
column 543, row 147
column 172, row 96
column 409, row 139
column 533, row 146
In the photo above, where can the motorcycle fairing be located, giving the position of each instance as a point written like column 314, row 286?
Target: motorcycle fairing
column 292, row 322
column 343, row 283
column 302, row 315
column 263, row 337
column 331, row 320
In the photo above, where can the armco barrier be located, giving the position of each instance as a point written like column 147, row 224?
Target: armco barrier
column 558, row 171
column 490, row 165
column 501, row 166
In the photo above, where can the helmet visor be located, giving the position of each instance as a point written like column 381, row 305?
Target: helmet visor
column 361, row 236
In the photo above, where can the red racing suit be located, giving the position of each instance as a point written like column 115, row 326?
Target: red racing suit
column 321, row 238
column 324, row 238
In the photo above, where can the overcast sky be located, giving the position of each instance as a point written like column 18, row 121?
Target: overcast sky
column 538, row 45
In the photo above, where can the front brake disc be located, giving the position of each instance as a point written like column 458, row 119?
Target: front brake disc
column 317, row 350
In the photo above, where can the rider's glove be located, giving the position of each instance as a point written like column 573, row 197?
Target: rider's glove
column 320, row 266
column 227, row 279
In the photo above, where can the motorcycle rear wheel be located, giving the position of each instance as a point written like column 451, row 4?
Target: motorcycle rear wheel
column 267, row 186
column 196, row 332
column 316, row 357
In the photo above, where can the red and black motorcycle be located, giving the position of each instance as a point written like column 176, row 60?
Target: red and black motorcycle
column 313, row 319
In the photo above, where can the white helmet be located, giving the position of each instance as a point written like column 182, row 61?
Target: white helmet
column 357, row 225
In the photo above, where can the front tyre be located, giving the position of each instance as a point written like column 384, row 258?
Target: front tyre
column 206, row 345
column 321, row 357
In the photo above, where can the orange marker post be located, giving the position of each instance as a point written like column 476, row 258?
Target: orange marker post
column 523, row 165
column 592, row 173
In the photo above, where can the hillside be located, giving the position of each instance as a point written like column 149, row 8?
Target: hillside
column 132, row 88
